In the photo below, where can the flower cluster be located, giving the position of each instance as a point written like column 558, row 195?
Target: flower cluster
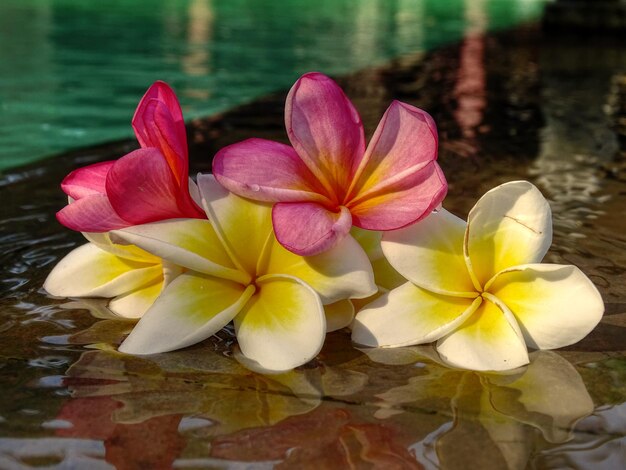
column 282, row 239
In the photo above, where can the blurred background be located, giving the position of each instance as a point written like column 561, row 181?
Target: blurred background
column 72, row 71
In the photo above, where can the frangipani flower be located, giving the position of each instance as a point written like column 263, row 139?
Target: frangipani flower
column 328, row 181
column 235, row 270
column 477, row 288
column 129, row 275
column 146, row 185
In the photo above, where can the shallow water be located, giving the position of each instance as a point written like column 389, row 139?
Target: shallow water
column 516, row 105
column 72, row 71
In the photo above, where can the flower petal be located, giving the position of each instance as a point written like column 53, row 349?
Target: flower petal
column 509, row 226
column 192, row 308
column 410, row 315
column 158, row 123
column 307, row 228
column 89, row 271
column 326, row 131
column 266, row 171
column 556, row 305
column 136, row 303
column 191, row 243
column 92, row 213
column 385, row 275
column 87, row 180
column 142, row 189
column 429, row 253
column 132, row 252
column 243, row 226
column 283, row 325
column 405, row 202
column 488, row 340
column 339, row 273
column 404, row 141
column 339, row 315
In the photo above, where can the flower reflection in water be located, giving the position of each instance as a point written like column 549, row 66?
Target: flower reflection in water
column 387, row 408
column 493, row 416
column 147, row 410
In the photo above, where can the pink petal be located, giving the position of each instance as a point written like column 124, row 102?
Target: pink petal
column 404, row 142
column 158, row 123
column 87, row 180
column 266, row 171
column 142, row 188
column 92, row 213
column 403, row 204
column 326, row 131
column 308, row 228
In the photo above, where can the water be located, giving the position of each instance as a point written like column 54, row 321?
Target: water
column 512, row 105
column 72, row 72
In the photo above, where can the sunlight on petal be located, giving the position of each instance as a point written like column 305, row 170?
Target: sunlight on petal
column 555, row 305
column 510, row 225
column 406, row 201
column 203, row 305
column 486, row 341
column 158, row 123
column 242, row 225
column 87, row 180
column 283, row 325
column 404, row 140
column 132, row 252
column 325, row 129
column 191, row 243
column 339, row 273
column 429, row 253
column 75, row 276
column 410, row 315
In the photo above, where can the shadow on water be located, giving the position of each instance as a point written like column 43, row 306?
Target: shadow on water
column 515, row 105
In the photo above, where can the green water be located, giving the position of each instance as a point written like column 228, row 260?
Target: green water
column 72, row 71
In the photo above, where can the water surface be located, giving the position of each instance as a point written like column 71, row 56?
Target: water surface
column 514, row 105
column 72, row 71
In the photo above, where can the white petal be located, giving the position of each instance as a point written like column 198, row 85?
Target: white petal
column 488, row 340
column 342, row 272
column 510, row 225
column 103, row 241
column 369, row 241
column 136, row 303
column 191, row 243
column 339, row 315
column 555, row 305
column 410, row 315
column 243, row 225
column 192, row 308
column 89, row 271
column 283, row 325
column 429, row 253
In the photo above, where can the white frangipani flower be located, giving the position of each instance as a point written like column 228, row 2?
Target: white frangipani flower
column 234, row 269
column 130, row 276
column 477, row 288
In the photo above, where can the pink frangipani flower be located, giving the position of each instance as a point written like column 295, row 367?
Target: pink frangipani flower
column 328, row 181
column 146, row 185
